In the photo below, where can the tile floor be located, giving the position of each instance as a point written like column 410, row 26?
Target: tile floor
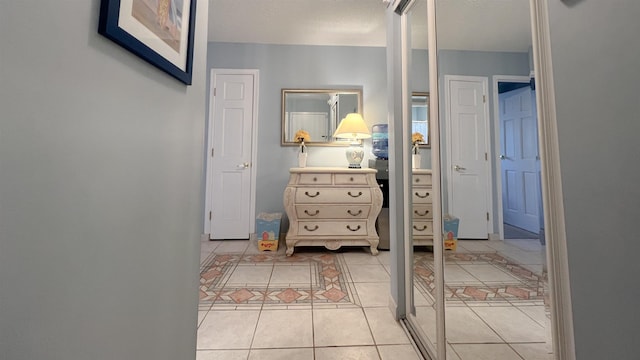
column 334, row 305
column 496, row 301
column 315, row 304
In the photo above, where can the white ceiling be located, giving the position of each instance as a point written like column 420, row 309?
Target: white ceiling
column 489, row 25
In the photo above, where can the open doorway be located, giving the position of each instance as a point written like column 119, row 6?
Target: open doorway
column 518, row 167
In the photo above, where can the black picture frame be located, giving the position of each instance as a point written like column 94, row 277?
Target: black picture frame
column 168, row 52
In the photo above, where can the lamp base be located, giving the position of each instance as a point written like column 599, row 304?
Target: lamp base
column 355, row 154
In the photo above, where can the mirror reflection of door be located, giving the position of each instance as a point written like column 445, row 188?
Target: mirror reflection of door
column 496, row 301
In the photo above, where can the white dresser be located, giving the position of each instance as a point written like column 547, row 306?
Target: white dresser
column 332, row 207
column 422, row 196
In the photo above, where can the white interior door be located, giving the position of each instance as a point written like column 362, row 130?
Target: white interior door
column 519, row 159
column 232, row 135
column 467, row 160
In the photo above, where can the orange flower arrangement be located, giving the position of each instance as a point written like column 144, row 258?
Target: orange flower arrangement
column 416, row 139
column 300, row 137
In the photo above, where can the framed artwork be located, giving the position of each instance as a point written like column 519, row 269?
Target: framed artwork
column 159, row 31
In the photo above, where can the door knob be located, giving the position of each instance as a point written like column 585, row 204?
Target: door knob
column 502, row 157
column 243, row 166
column 459, row 168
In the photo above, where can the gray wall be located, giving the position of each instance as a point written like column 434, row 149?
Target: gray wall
column 285, row 66
column 596, row 52
column 100, row 191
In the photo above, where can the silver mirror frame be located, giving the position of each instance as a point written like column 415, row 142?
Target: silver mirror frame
column 284, row 113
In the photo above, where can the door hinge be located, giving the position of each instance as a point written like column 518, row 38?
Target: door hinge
column 214, row 91
column 210, row 215
column 484, row 98
column 487, row 216
column 486, row 157
column 211, row 152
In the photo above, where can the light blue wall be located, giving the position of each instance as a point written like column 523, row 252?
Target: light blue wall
column 287, row 66
column 100, row 191
column 284, row 66
column 595, row 50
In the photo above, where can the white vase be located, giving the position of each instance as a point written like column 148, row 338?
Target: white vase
column 302, row 159
column 415, row 161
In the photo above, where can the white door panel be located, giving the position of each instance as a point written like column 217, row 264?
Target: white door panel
column 519, row 163
column 232, row 126
column 467, row 160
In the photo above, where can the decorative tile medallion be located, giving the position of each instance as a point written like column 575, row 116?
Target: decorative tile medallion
column 526, row 286
column 328, row 284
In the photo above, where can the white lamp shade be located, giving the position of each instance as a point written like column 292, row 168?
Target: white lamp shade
column 352, row 127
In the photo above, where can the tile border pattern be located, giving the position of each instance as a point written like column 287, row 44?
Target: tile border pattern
column 330, row 286
column 526, row 288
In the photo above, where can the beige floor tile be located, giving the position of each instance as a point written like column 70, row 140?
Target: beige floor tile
column 361, row 258
column 534, row 351
column 485, row 352
column 201, row 315
column 384, row 257
column 281, row 354
column 284, row 329
column 232, row 246
column 347, row 353
column 488, row 273
column 250, row 275
column 454, row 273
column 368, row 273
column 386, row 330
column 464, row 326
column 426, row 317
column 398, row 352
column 511, row 324
column 537, row 313
column 227, row 329
column 341, row 327
column 222, row 354
column 374, row 294
column 291, row 274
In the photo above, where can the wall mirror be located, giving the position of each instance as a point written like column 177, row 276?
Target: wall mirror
column 317, row 111
column 420, row 117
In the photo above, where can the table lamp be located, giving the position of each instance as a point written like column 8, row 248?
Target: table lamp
column 353, row 128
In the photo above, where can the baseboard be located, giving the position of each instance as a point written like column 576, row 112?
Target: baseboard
column 494, row 236
column 205, row 237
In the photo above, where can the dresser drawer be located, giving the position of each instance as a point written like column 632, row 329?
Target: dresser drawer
column 422, row 228
column 422, row 179
column 422, row 195
column 315, row 179
column 312, row 211
column 308, row 195
column 332, row 228
column 422, row 212
column 351, row 179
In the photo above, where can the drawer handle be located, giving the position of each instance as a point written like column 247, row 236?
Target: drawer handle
column 356, row 214
column 308, row 213
column 351, row 178
column 422, row 196
column 308, row 229
column 356, row 229
column 417, row 180
column 418, row 212
column 309, row 195
column 423, row 228
column 315, row 178
column 355, row 196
